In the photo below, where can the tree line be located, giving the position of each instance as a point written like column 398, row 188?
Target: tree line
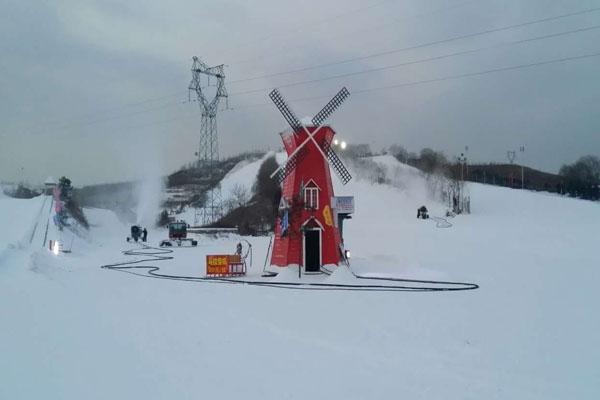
column 580, row 179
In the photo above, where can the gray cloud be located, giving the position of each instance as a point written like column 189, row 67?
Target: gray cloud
column 95, row 89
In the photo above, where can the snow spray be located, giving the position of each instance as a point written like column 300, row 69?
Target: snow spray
column 151, row 186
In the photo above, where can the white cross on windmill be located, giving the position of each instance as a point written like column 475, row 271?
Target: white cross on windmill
column 298, row 128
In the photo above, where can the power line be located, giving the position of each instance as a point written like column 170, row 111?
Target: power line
column 170, row 104
column 113, row 118
column 337, row 16
column 424, row 60
column 419, row 46
column 75, row 120
column 374, row 28
column 441, row 79
column 136, row 126
column 141, row 102
column 479, row 73
column 407, row 84
column 303, row 26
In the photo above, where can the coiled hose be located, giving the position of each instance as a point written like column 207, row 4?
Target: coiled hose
column 383, row 284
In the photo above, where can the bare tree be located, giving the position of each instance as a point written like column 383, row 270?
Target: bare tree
column 238, row 197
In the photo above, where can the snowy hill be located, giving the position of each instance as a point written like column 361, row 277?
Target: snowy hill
column 72, row 330
column 179, row 191
column 236, row 186
column 19, row 223
column 243, row 175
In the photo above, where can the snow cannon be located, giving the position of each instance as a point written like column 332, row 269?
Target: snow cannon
column 178, row 236
column 137, row 233
column 422, row 213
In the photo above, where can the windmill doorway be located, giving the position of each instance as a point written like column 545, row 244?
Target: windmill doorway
column 312, row 250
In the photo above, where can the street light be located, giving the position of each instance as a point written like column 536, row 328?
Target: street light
column 339, row 143
column 467, row 165
column 522, row 150
column 462, row 159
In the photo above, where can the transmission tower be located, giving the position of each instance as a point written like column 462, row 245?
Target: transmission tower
column 511, row 155
column 203, row 78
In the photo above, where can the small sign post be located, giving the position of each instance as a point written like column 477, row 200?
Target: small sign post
column 224, row 265
column 343, row 204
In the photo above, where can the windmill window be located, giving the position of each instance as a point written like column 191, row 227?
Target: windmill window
column 311, row 198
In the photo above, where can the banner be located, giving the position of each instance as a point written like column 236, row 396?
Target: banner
column 57, row 202
column 285, row 223
column 327, row 216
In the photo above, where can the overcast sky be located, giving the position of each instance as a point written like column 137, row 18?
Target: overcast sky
column 97, row 90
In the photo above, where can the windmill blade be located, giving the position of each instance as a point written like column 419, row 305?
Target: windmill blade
column 330, row 107
column 282, row 172
column 287, row 113
column 338, row 166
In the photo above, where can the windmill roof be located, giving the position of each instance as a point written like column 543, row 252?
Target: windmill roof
column 307, row 121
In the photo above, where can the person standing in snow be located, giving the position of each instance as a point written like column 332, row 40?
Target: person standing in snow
column 144, row 235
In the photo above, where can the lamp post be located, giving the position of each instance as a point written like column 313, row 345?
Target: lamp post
column 511, row 155
column 466, row 164
column 462, row 159
column 522, row 150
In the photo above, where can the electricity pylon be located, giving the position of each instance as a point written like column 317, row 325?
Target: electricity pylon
column 204, row 77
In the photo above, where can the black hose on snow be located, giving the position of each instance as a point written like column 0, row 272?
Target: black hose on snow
column 157, row 254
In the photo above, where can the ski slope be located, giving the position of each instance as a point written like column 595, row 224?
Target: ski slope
column 72, row 330
column 237, row 182
column 24, row 222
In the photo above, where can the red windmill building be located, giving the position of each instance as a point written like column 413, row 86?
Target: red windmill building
column 308, row 230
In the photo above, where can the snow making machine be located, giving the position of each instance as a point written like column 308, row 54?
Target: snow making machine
column 178, row 236
column 137, row 234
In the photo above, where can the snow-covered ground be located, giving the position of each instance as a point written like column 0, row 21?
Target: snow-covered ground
column 72, row 330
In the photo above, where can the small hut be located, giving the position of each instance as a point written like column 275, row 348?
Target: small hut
column 49, row 185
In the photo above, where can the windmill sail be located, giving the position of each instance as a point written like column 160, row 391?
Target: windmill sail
column 330, row 107
column 291, row 163
column 325, row 147
column 287, row 113
column 338, row 166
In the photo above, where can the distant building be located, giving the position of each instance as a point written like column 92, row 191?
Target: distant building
column 49, row 185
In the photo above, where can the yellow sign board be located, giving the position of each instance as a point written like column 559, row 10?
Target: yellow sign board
column 224, row 265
